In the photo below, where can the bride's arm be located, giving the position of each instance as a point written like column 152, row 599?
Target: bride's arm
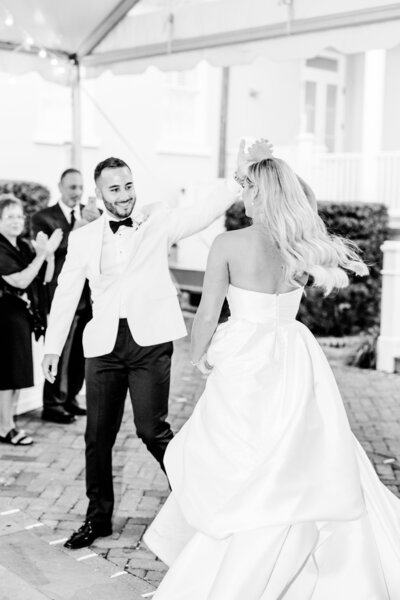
column 215, row 287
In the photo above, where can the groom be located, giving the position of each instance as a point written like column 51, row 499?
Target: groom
column 136, row 315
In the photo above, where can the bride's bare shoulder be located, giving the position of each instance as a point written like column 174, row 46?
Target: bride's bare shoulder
column 231, row 243
column 235, row 236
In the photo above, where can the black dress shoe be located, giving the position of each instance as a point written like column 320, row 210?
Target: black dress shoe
column 86, row 535
column 74, row 408
column 58, row 414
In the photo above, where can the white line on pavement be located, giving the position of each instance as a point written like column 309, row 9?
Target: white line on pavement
column 34, row 525
column 9, row 512
column 87, row 556
column 54, row 542
column 118, row 574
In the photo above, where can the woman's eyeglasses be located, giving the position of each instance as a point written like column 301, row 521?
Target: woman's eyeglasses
column 14, row 218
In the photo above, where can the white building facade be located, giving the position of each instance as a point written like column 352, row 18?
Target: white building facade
column 334, row 117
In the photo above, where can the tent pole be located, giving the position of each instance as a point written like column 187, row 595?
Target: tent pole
column 223, row 121
column 76, row 148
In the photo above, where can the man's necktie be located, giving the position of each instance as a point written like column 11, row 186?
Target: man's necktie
column 115, row 225
column 73, row 219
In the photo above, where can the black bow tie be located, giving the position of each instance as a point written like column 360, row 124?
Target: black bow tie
column 115, row 225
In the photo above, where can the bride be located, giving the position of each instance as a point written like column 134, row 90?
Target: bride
column 272, row 495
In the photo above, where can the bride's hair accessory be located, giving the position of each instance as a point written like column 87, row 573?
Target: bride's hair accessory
column 257, row 151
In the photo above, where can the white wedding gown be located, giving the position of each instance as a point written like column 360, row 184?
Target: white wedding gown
column 272, row 495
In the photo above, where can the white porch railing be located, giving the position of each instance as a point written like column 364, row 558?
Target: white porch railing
column 342, row 176
column 338, row 176
column 388, row 180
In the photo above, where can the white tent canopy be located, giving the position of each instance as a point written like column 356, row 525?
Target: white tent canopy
column 129, row 35
column 57, row 38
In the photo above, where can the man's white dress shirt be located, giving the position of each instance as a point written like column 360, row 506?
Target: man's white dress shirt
column 115, row 253
column 67, row 211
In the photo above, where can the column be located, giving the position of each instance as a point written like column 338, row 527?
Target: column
column 388, row 349
column 373, row 106
column 76, row 149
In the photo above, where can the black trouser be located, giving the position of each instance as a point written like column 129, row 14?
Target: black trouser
column 71, row 367
column 145, row 371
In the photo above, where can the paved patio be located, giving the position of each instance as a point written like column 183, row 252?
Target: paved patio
column 46, row 481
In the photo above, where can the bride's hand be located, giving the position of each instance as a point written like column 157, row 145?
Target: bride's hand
column 242, row 163
column 203, row 366
column 259, row 150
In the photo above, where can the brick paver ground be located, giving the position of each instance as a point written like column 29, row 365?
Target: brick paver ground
column 46, row 480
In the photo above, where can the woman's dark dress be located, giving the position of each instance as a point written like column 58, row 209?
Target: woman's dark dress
column 16, row 319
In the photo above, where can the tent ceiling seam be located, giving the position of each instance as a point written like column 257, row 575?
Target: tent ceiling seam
column 104, row 27
column 18, row 47
column 278, row 30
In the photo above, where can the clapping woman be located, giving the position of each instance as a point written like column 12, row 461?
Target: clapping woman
column 23, row 273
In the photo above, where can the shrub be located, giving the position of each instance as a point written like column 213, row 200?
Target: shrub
column 364, row 356
column 235, row 217
column 33, row 196
column 357, row 307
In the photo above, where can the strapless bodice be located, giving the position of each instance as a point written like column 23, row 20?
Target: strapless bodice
column 260, row 307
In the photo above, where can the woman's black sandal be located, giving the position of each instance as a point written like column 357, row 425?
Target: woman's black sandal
column 16, row 437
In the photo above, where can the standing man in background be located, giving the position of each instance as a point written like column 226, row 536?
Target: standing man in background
column 59, row 398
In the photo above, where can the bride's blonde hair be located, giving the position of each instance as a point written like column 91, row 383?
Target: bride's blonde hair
column 281, row 205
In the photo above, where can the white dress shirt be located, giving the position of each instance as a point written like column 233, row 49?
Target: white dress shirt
column 115, row 254
column 67, row 211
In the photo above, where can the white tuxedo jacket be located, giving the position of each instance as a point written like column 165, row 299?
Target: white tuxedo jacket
column 153, row 311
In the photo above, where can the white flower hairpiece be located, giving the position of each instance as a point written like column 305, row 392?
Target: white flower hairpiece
column 259, row 150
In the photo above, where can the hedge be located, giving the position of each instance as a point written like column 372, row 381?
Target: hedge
column 33, row 196
column 357, row 307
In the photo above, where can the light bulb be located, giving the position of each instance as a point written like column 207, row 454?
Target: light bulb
column 9, row 20
column 54, row 62
column 42, row 53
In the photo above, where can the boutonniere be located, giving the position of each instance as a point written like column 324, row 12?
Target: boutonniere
column 139, row 220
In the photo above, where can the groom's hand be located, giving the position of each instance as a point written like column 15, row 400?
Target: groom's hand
column 49, row 366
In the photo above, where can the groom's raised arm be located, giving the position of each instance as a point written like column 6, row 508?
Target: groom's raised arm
column 183, row 222
column 66, row 298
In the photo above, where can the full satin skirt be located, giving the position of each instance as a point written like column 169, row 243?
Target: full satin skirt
column 272, row 495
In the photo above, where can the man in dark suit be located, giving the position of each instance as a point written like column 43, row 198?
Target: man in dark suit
column 59, row 399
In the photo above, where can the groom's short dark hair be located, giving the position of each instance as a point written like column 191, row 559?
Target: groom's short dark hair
column 108, row 163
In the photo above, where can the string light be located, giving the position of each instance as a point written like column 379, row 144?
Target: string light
column 28, row 43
